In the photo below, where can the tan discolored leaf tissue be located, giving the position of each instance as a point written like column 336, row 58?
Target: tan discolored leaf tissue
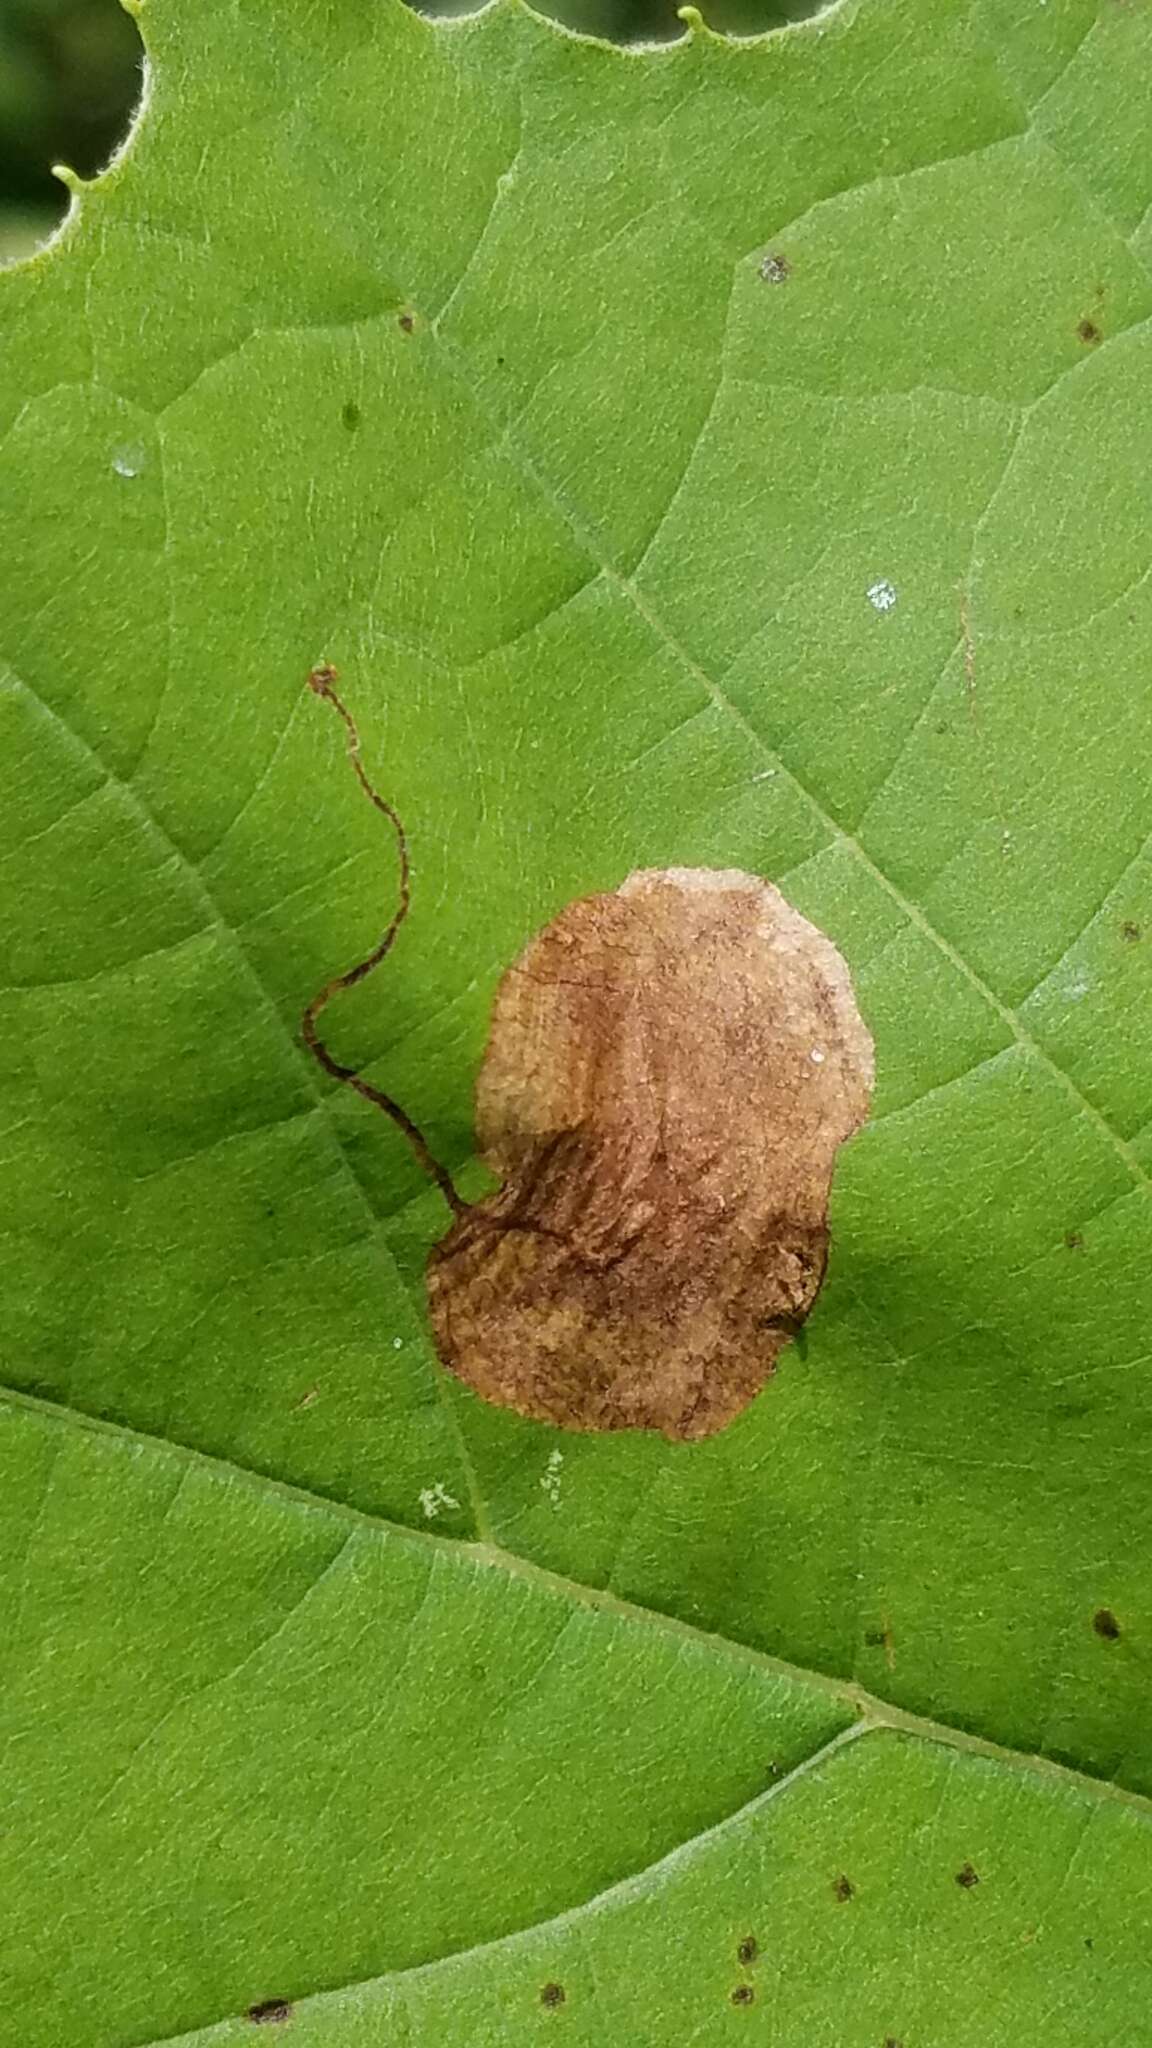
column 670, row 1072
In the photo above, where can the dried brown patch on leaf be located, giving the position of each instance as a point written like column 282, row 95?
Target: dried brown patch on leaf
column 671, row 1070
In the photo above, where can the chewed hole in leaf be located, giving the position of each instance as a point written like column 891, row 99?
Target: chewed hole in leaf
column 77, row 72
column 649, row 21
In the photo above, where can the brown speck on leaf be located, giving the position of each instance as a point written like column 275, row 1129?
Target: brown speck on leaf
column 883, row 1639
column 552, row 1995
column 1074, row 1241
column 351, row 416
column 747, row 1951
column 407, row 322
column 1105, row 1624
column 306, row 1400
column 1130, row 932
column 744, row 1995
column 272, row 2010
column 844, row 1889
column 670, row 1073
column 775, row 269
column 967, row 1878
column 1089, row 333
column 890, row 2041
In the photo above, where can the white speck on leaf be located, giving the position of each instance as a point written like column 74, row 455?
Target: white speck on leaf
column 129, row 461
column 434, row 1499
column 882, row 594
column 551, row 1479
column 397, row 1343
column 764, row 774
column 817, row 1057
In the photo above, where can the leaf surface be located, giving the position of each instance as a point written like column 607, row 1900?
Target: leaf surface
column 449, row 353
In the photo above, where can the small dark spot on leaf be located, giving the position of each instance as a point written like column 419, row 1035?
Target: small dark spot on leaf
column 269, row 2012
column 552, row 1995
column 408, row 322
column 875, row 1638
column 1089, row 333
column 747, row 1951
column 967, row 1878
column 890, row 2041
column 1074, row 1241
column 499, row 362
column 775, row 269
column 743, row 1995
column 1105, row 1624
column 351, row 416
column 774, row 1769
column 844, row 1889
column 1088, row 1941
column 1131, row 932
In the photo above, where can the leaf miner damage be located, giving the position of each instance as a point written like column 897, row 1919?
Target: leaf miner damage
column 671, row 1070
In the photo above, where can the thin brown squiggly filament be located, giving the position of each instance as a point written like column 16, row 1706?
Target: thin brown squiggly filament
column 322, row 681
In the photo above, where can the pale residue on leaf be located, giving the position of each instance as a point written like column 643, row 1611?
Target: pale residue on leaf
column 551, row 1479
column 435, row 1500
column 666, row 1144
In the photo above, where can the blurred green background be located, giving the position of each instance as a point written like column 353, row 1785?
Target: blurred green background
column 70, row 78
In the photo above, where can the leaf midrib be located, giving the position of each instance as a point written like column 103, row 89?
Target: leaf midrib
column 869, row 1710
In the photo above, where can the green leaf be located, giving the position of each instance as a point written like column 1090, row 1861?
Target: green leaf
column 449, row 353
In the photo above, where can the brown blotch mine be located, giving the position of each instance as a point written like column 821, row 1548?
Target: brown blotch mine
column 747, row 1951
column 967, row 1878
column 743, row 1995
column 671, row 1070
column 552, row 1995
column 775, row 269
column 407, row 322
column 844, row 1890
column 1105, row 1624
column 1089, row 333
column 272, row 2010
